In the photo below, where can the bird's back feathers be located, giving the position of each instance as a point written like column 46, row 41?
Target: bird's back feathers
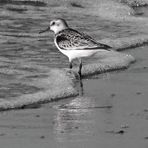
column 70, row 39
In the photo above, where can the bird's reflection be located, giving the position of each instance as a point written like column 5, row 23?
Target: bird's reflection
column 78, row 117
column 81, row 89
column 73, row 118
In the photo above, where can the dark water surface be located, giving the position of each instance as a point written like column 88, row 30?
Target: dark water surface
column 24, row 52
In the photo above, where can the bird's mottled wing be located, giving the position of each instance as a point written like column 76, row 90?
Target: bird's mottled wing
column 70, row 39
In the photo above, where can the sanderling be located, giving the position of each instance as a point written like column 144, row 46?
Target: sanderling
column 72, row 43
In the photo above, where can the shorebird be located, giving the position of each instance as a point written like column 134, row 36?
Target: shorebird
column 73, row 44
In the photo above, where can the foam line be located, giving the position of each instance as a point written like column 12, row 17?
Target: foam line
column 62, row 83
column 59, row 84
column 107, row 61
column 127, row 42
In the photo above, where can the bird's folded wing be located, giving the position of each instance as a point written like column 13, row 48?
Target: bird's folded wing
column 77, row 41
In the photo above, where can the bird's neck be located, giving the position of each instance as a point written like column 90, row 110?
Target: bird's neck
column 60, row 30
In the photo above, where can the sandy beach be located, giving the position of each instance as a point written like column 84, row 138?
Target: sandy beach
column 110, row 110
column 113, row 112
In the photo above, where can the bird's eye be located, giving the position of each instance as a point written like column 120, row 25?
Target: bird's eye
column 53, row 23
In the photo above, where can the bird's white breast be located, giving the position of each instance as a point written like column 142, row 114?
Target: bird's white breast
column 77, row 53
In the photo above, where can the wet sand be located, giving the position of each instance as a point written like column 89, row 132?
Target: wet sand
column 113, row 112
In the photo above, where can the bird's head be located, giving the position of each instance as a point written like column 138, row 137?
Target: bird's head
column 56, row 26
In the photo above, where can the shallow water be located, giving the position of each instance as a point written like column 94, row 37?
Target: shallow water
column 25, row 52
column 111, row 111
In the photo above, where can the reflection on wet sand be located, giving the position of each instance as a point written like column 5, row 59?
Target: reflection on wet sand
column 75, row 120
column 81, row 89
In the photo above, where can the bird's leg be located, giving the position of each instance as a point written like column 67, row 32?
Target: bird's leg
column 81, row 88
column 70, row 65
column 80, row 67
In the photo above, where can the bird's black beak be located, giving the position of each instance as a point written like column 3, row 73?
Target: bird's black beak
column 42, row 31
